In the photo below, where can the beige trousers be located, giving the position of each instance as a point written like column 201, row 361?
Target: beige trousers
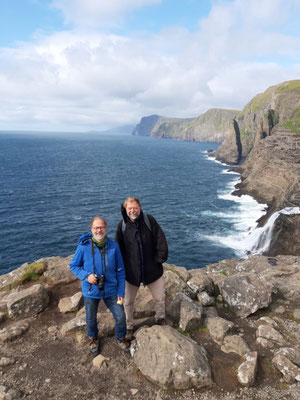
column 157, row 291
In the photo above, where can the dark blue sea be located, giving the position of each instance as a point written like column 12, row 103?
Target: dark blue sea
column 52, row 184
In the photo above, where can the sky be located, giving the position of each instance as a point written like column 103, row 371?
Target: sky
column 81, row 65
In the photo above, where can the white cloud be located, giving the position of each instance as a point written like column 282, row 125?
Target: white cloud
column 98, row 13
column 78, row 81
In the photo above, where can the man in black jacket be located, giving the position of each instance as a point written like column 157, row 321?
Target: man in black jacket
column 144, row 248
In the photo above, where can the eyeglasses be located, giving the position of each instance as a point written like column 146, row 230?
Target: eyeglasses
column 98, row 228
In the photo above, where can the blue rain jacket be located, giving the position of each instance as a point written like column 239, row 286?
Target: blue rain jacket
column 111, row 266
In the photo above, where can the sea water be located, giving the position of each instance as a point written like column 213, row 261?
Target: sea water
column 52, row 184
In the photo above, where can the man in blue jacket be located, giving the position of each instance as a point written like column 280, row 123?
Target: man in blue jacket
column 98, row 263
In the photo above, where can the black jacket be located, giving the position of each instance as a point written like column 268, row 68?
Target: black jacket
column 143, row 250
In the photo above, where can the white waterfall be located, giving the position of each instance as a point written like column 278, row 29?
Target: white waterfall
column 259, row 239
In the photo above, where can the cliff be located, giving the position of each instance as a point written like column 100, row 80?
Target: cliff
column 233, row 330
column 212, row 126
column 264, row 141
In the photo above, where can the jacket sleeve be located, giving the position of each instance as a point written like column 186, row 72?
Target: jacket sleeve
column 120, row 272
column 119, row 238
column 160, row 243
column 76, row 265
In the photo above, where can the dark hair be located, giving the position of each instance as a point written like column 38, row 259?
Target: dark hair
column 97, row 217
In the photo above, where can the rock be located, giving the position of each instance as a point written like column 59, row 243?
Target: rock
column 247, row 370
column 170, row 359
column 72, row 327
column 290, row 371
column 185, row 312
column 267, row 344
column 190, row 315
column 58, row 269
column 99, row 360
column 246, row 293
column 5, row 361
column 173, row 284
column 205, row 299
column 266, row 321
column 278, row 309
column 70, row 304
column 218, row 327
column 2, row 316
column 296, row 313
column 9, row 394
column 268, row 332
column 292, row 353
column 200, row 282
column 182, row 272
column 12, row 332
column 235, row 344
column 28, row 302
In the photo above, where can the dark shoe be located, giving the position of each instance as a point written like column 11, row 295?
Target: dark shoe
column 94, row 345
column 161, row 322
column 124, row 344
column 129, row 334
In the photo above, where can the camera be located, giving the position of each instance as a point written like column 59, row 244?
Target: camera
column 100, row 282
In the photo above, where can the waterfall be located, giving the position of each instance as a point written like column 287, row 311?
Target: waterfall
column 259, row 239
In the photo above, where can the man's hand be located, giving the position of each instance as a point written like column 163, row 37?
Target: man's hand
column 92, row 279
column 120, row 300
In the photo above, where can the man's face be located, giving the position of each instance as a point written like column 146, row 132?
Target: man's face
column 133, row 210
column 99, row 229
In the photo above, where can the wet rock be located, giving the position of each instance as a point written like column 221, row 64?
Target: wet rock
column 247, row 370
column 28, row 302
column 170, row 359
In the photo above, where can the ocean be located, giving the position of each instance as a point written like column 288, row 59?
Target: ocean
column 53, row 184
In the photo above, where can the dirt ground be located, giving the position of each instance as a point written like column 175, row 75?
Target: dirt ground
column 49, row 366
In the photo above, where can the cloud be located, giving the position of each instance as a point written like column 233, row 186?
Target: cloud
column 97, row 13
column 75, row 80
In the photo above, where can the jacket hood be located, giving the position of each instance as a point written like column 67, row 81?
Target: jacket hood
column 125, row 216
column 84, row 239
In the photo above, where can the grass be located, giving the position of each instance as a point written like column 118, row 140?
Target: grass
column 33, row 272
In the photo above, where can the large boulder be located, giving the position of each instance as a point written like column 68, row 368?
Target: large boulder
column 169, row 359
column 246, row 293
column 28, row 302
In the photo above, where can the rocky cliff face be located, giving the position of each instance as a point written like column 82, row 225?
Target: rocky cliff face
column 212, row 126
column 264, row 140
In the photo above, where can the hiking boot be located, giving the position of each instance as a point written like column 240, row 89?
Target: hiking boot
column 129, row 334
column 161, row 322
column 94, row 345
column 124, row 344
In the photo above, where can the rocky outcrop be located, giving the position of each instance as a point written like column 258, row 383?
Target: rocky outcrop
column 209, row 127
column 203, row 346
column 264, row 142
